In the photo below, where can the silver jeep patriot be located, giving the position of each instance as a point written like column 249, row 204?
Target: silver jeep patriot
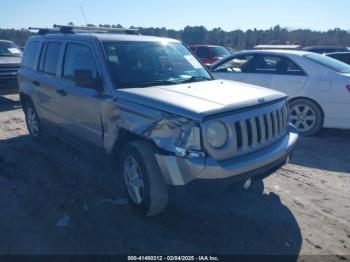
column 154, row 109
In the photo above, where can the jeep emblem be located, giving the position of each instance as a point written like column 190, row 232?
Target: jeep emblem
column 261, row 100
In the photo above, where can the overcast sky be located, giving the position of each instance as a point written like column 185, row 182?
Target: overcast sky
column 176, row 14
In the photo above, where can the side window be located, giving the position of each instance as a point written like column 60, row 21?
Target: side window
column 52, row 54
column 344, row 58
column 276, row 65
column 79, row 57
column 202, row 52
column 238, row 64
column 29, row 54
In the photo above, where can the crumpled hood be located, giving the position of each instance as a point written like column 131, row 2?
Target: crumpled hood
column 10, row 60
column 201, row 99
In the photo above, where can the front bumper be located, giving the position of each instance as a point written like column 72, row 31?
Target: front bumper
column 181, row 171
column 8, row 85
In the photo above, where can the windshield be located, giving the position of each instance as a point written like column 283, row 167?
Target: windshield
column 142, row 64
column 9, row 49
column 331, row 63
column 220, row 51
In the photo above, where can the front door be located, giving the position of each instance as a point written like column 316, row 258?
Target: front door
column 81, row 104
column 235, row 69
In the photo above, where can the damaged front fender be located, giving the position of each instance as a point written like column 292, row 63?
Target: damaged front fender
column 166, row 131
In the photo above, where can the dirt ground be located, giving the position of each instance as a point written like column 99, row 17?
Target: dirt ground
column 55, row 200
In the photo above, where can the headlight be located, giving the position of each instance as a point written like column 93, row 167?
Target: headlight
column 217, row 134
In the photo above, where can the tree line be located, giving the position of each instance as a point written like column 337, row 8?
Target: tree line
column 236, row 39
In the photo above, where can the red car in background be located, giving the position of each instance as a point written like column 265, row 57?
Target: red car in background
column 209, row 54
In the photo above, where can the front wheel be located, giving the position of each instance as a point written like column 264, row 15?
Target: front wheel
column 145, row 186
column 306, row 116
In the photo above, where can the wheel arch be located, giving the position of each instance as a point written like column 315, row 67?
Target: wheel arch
column 24, row 98
column 125, row 136
column 309, row 99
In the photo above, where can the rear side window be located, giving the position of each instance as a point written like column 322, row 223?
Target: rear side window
column 219, row 51
column 52, row 55
column 341, row 57
column 29, row 55
column 78, row 57
column 329, row 62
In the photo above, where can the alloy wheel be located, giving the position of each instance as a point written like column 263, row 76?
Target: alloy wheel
column 32, row 122
column 134, row 180
column 303, row 117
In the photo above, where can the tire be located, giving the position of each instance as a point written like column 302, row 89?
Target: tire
column 306, row 116
column 146, row 189
column 33, row 123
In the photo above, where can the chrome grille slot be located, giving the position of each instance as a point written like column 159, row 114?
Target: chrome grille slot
column 244, row 134
column 254, row 132
column 262, row 125
column 251, row 130
column 274, row 123
column 268, row 120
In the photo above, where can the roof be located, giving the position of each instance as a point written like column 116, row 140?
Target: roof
column 106, row 37
column 5, row 41
column 338, row 53
column 206, row 46
column 276, row 51
column 325, row 47
column 277, row 47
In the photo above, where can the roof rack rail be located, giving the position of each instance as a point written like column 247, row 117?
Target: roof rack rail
column 71, row 29
column 44, row 31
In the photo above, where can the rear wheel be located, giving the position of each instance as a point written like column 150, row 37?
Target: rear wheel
column 306, row 116
column 145, row 186
column 33, row 122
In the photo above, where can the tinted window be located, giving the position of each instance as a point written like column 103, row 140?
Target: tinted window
column 341, row 57
column 276, row 65
column 52, row 55
column 29, row 55
column 78, row 57
column 329, row 62
column 219, row 51
column 202, row 52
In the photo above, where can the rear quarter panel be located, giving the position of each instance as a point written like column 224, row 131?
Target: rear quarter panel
column 328, row 89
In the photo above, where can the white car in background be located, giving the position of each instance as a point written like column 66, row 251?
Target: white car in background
column 318, row 86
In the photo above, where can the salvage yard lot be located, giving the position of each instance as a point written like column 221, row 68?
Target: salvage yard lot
column 304, row 209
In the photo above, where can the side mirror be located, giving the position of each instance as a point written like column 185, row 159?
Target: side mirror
column 84, row 78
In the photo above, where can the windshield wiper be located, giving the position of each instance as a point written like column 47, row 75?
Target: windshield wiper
column 11, row 55
column 195, row 79
column 152, row 83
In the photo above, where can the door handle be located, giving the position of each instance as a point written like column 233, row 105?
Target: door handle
column 61, row 92
column 36, row 83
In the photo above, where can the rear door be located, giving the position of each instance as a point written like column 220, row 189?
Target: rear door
column 81, row 105
column 47, row 84
column 286, row 75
